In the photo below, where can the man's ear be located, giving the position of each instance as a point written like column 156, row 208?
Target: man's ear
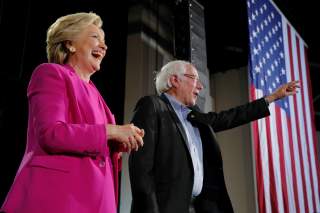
column 173, row 81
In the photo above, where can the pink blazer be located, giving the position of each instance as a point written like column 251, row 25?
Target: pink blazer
column 68, row 165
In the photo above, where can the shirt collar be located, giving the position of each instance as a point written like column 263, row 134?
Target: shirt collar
column 177, row 105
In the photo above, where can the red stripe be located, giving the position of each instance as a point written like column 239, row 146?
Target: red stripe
column 305, row 119
column 259, row 169
column 273, row 191
column 282, row 159
column 312, row 117
column 259, row 172
column 293, row 165
column 297, row 123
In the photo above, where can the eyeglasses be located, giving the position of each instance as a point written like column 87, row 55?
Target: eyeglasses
column 194, row 77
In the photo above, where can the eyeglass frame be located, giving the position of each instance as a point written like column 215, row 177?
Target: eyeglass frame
column 194, row 77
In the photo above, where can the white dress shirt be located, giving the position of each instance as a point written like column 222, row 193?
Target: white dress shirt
column 194, row 143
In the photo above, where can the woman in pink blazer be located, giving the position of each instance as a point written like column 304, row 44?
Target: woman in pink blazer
column 71, row 161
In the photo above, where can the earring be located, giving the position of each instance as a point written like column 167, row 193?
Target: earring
column 72, row 49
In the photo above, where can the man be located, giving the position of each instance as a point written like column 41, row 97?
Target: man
column 179, row 169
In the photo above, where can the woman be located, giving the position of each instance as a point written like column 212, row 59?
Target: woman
column 73, row 145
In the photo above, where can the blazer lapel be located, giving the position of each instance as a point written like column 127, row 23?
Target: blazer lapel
column 195, row 120
column 175, row 118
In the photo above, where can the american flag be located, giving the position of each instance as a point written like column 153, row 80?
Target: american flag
column 286, row 161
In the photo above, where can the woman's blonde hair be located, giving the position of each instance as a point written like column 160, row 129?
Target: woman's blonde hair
column 64, row 29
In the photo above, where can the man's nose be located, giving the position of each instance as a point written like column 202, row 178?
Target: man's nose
column 199, row 85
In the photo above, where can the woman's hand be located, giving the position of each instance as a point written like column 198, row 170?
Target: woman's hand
column 128, row 137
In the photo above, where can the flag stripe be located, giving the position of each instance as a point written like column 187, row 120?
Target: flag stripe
column 289, row 162
column 310, row 190
column 259, row 173
column 293, row 66
column 273, row 190
column 295, row 166
column 264, row 159
column 281, row 152
column 296, row 162
column 311, row 127
column 276, row 157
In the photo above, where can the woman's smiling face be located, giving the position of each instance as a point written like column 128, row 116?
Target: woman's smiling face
column 89, row 50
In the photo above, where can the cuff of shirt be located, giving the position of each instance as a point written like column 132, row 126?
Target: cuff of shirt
column 266, row 101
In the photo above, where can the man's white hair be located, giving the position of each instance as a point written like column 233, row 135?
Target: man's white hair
column 177, row 67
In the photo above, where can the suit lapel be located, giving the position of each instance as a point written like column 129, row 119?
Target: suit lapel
column 175, row 118
column 194, row 118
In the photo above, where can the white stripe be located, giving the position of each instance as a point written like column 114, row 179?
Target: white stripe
column 264, row 157
column 304, row 83
column 287, row 161
column 276, row 156
column 303, row 138
column 293, row 121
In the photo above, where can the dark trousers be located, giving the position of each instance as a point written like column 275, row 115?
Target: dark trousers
column 203, row 206
column 191, row 206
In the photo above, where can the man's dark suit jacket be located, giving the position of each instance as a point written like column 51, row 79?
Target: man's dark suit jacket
column 161, row 172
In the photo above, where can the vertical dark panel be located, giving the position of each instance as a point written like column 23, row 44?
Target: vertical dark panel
column 182, row 30
column 198, row 47
column 190, row 40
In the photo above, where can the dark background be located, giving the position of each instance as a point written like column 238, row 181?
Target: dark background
column 23, row 26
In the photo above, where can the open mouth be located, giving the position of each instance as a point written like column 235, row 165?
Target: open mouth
column 195, row 95
column 97, row 54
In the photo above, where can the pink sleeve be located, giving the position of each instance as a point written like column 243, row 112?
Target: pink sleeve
column 49, row 110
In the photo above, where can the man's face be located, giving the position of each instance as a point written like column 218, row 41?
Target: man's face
column 189, row 87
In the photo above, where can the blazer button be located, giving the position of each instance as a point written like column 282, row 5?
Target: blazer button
column 102, row 163
column 192, row 116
